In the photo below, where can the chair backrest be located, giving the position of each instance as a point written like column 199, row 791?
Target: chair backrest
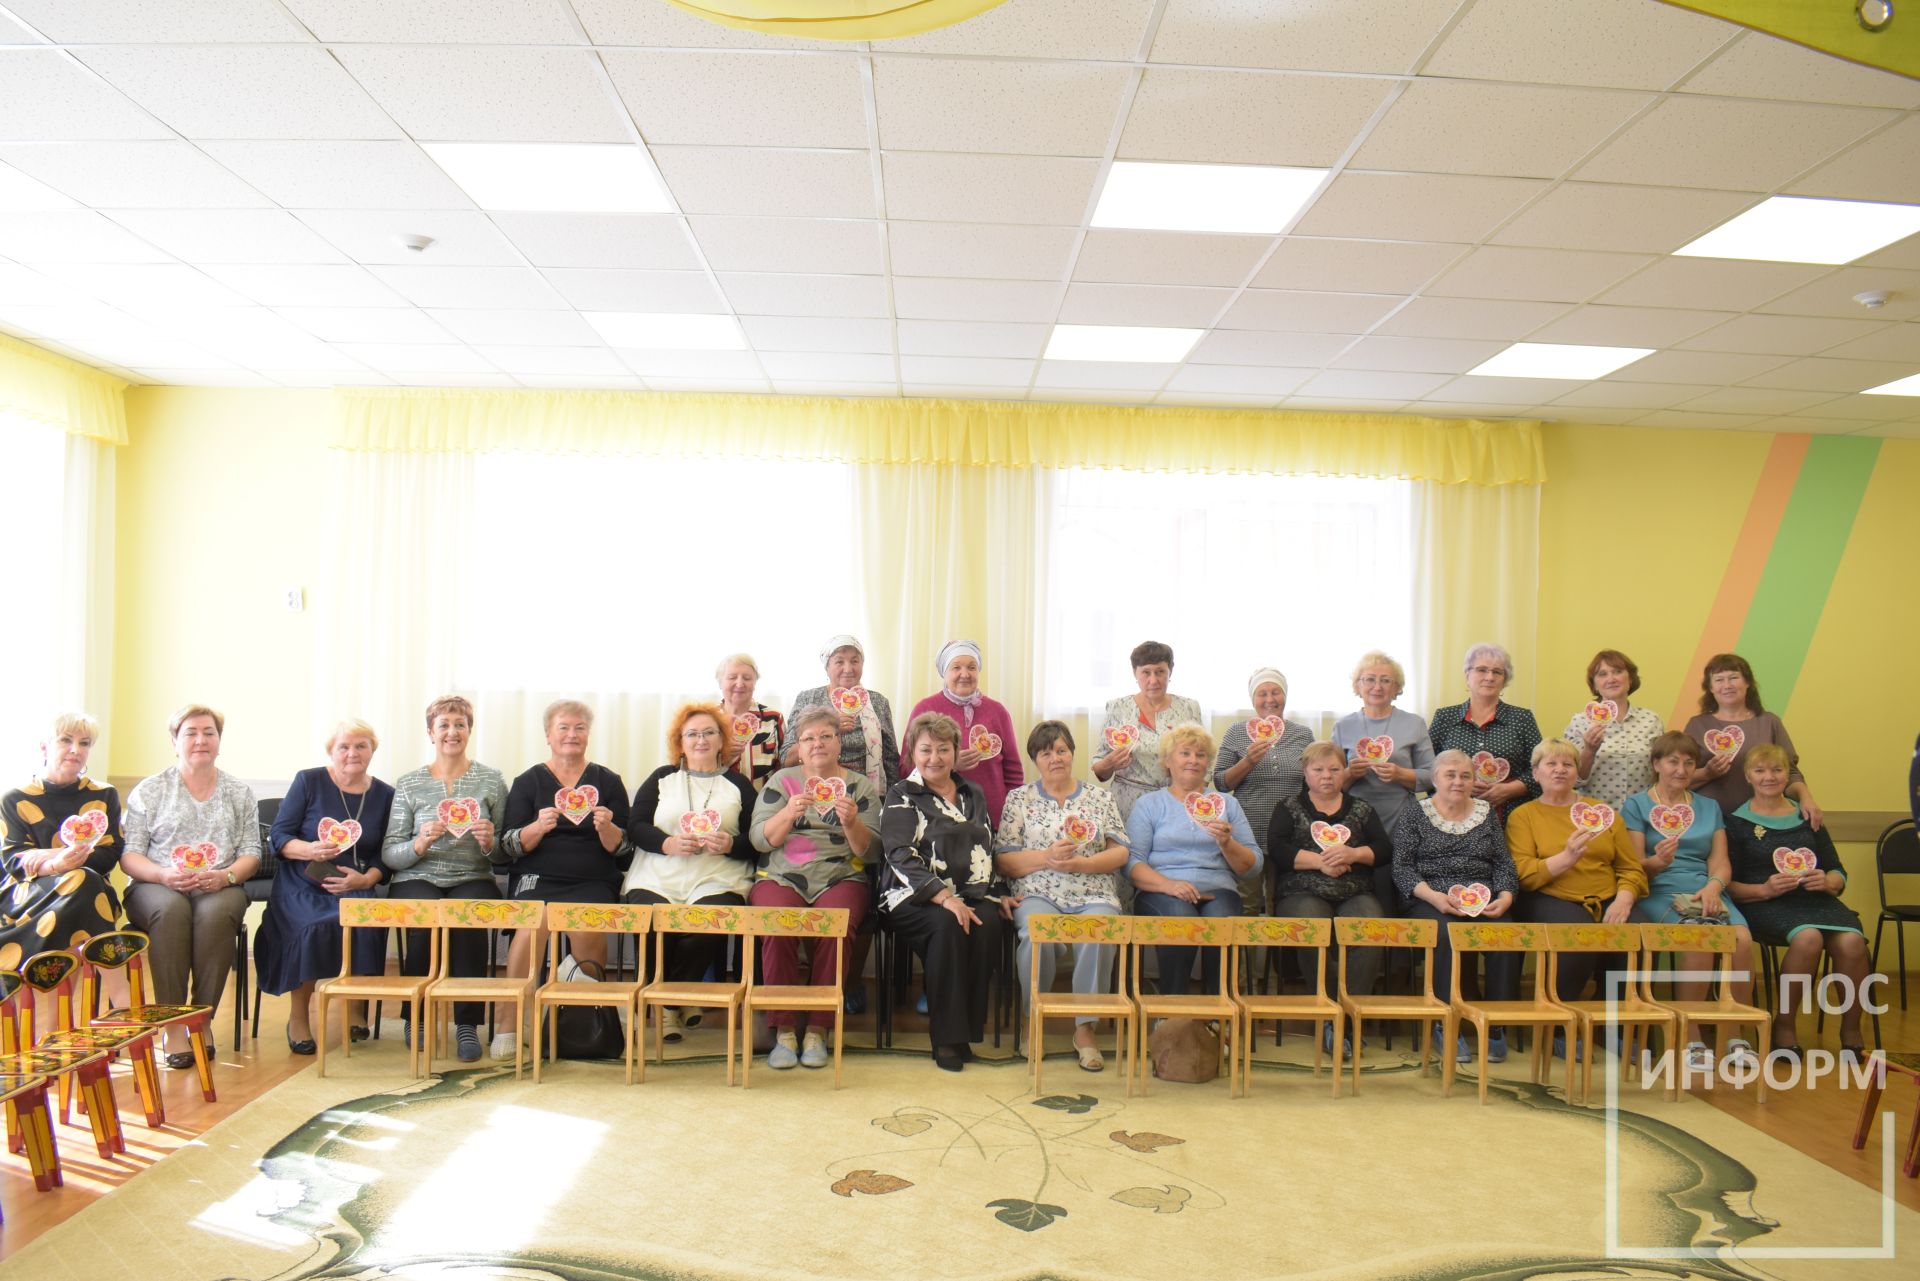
column 1062, row 927
column 267, row 809
column 1896, row 853
column 793, row 922
column 694, row 918
column 12, row 997
column 599, row 918
column 389, row 913
column 1593, row 937
column 1180, row 931
column 52, row 974
column 1498, row 936
column 489, row 913
column 1283, row 931
column 1385, row 931
column 1717, row 940
column 111, row 951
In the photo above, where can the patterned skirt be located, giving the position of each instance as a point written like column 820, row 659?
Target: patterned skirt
column 47, row 913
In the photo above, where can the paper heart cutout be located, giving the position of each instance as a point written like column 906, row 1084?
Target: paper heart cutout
column 1670, row 820
column 576, row 803
column 459, row 813
column 1590, row 816
column 83, row 831
column 1472, row 899
column 1080, row 829
column 985, row 742
column 1726, row 741
column 746, row 725
column 1120, row 737
column 700, row 822
column 1205, row 807
column 1265, row 729
column 198, row 857
column 849, row 701
column 1796, row 862
column 1328, row 835
column 1374, row 750
column 338, row 834
column 1603, row 711
column 1489, row 768
column 823, row 792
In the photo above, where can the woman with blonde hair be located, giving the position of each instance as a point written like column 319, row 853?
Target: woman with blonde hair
column 59, row 841
column 754, row 730
column 1386, row 780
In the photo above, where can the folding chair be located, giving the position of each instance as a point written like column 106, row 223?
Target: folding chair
column 446, row 988
column 795, row 923
column 1721, row 1010
column 55, row 975
column 1048, row 929
column 692, row 918
column 586, row 918
column 1538, row 1011
column 380, row 914
column 128, row 948
column 1633, row 1012
column 1316, row 1008
column 1183, row 931
column 1423, row 1007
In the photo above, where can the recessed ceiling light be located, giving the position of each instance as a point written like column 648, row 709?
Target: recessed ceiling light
column 1908, row 386
column 1799, row 229
column 668, row 331
column 554, row 177
column 1173, row 197
column 1120, row 342
column 1558, row 360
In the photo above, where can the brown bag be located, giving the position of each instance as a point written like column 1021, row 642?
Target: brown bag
column 1184, row 1050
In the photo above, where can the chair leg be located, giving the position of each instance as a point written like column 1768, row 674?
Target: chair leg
column 1869, row 1105
column 202, row 1060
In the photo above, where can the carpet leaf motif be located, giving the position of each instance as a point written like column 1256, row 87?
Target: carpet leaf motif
column 1162, row 1200
column 1028, row 1216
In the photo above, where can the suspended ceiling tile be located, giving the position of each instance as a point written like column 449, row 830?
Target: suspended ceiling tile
column 341, row 175
column 1526, row 131
column 284, row 285
column 1505, row 391
column 433, row 358
column 133, row 22
column 968, row 370
column 1343, row 405
column 147, row 287
column 1416, row 206
column 742, row 99
column 1586, row 215
column 461, row 237
column 1239, row 117
column 818, row 333
column 1834, row 293
column 1367, row 266
column 1470, row 318
column 133, row 175
column 46, row 98
column 931, row 186
column 1709, row 368
column 482, row 94
column 1214, row 400
column 622, row 22
column 1781, row 335
column 250, row 91
column 1102, row 30
column 1756, row 400
column 1699, row 421
column 1827, row 374
column 769, row 180
column 1254, row 347
column 1539, row 275
column 1113, row 256
column 578, row 361
column 1308, row 35
column 229, row 235
column 12, row 33
column 1722, row 142
column 1760, row 66
column 1896, row 342
column 1091, row 395
column 1418, row 355
column 932, row 298
column 649, row 242
column 832, row 246
column 972, row 338
column 1370, row 384
column 436, row 21
column 1627, row 326
column 1884, row 167
column 1710, row 283
column 441, row 378
column 1029, row 108
column 367, row 324
column 517, row 327
column 1624, row 43
column 833, row 366
column 797, row 387
column 26, row 287
column 1181, row 306
column 1868, row 408
column 77, row 235
column 1001, row 252
column 228, row 377
column 1608, row 394
column 1240, row 379
column 470, row 286
column 687, row 365
column 794, row 294
column 1303, row 312
column 1108, row 375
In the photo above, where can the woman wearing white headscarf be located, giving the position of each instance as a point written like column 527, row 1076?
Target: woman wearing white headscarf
column 1263, row 770
column 866, row 720
column 989, row 757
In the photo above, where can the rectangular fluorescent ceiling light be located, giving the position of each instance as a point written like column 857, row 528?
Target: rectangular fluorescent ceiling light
column 668, row 331
column 1145, row 343
column 1174, row 197
column 554, row 177
column 1798, row 229
column 1908, row 386
column 1558, row 360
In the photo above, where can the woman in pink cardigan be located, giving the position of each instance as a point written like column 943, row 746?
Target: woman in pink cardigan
column 989, row 752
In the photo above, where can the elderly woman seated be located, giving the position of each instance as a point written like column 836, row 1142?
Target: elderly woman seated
column 1185, row 861
column 1444, row 845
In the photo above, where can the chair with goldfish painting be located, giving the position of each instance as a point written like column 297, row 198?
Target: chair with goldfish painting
column 447, row 988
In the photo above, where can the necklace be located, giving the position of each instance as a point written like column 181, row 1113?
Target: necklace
column 712, row 785
column 346, row 806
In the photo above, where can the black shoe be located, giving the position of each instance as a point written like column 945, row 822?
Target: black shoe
column 360, row 1032
column 184, row 1059
column 1791, row 1053
column 299, row 1047
column 948, row 1059
column 1853, row 1055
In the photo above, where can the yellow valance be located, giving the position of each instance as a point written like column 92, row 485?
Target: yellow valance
column 40, row 385
column 837, row 19
column 957, row 432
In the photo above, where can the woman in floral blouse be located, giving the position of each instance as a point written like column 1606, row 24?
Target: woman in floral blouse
column 1064, row 843
column 1129, row 757
column 1614, row 752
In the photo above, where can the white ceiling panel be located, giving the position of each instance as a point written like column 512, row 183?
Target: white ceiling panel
column 1301, row 312
column 1030, row 108
column 1833, row 295
column 1538, row 275
column 825, row 245
column 442, row 93
column 1759, row 66
column 847, row 366
column 1240, row 379
column 483, row 326
column 742, row 99
column 1000, row 252
column 431, row 358
column 763, row 180
column 936, row 298
column 12, row 32
column 75, row 236
column 1587, row 215
column 1706, row 368
column 47, row 97
column 1179, row 306
column 341, row 175
column 1418, row 355
column 804, row 387
column 1370, row 385
column 1102, row 375
column 1104, row 30
column 1781, row 335
column 234, row 91
column 1712, row 283
column 1720, row 142
column 1525, row 131
column 1626, row 43
column 208, row 377
column 461, row 238
column 360, row 376
column 1308, row 35
column 27, row 287
column 1627, row 326
column 1214, row 400
column 134, row 175
column 1415, row 206
column 1254, row 347
column 1871, row 408
column 595, row 289
column 509, row 287
column 1896, row 342
column 1698, row 421
column 818, row 333
column 971, row 338
column 1366, row 266
column 595, row 361
column 691, row 365
column 436, row 21
column 649, row 242
column 145, row 287
column 367, row 324
column 932, row 186
column 1240, row 117
column 803, row 295
column 965, row 370
column 1503, row 391
column 286, row 285
column 229, row 235
column 1111, row 256
column 1756, row 400
column 1884, row 167
column 146, row 22
column 731, row 386
column 1347, row 405
column 1470, row 318
column 1823, row 373
column 622, row 22
column 1607, row 394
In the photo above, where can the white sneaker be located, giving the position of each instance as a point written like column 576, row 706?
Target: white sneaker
column 671, row 1020
column 1699, row 1057
column 813, row 1051
column 1741, row 1053
column 504, row 1044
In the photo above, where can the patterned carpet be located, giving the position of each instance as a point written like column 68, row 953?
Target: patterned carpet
column 909, row 1172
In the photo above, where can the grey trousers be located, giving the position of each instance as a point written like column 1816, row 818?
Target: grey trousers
column 190, row 933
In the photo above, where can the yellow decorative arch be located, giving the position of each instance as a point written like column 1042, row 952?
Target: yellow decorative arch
column 837, row 19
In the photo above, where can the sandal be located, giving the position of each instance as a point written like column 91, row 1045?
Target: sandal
column 1090, row 1060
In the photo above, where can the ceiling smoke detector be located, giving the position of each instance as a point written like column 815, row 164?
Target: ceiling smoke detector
column 418, row 244
column 1873, row 299
column 1875, row 15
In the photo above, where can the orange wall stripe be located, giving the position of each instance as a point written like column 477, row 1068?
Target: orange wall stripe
column 1744, row 567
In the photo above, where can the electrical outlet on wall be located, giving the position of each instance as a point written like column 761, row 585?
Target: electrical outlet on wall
column 296, row 599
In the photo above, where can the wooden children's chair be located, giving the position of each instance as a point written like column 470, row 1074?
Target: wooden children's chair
column 1183, row 931
column 1047, row 930
column 1718, row 941
column 693, row 918
column 55, row 975
column 1881, row 1065
column 1315, row 1007
column 1422, row 1007
column 21, row 1063
column 1633, row 1013
column 1538, row 1011
column 127, row 948
column 796, row 923
column 587, row 918
column 25, row 1098
column 446, row 989
column 380, row 914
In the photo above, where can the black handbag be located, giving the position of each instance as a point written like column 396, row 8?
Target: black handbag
column 590, row 1031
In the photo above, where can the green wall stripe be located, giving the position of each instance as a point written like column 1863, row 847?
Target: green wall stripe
column 1805, row 557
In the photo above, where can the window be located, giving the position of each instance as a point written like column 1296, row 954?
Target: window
column 1234, row 572
column 41, row 633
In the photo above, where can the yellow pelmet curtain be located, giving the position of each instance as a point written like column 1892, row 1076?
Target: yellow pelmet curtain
column 47, row 388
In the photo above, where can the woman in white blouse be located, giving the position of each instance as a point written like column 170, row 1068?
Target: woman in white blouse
column 1616, row 750
column 192, row 838
column 1062, row 844
column 1132, row 768
column 705, row 859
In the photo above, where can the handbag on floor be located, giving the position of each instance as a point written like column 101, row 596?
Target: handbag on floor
column 590, row 1031
column 1184, row 1050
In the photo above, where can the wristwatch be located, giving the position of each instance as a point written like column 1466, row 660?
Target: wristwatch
column 230, row 879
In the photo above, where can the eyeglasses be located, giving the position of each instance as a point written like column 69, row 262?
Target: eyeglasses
column 1376, row 680
column 817, row 740
column 1488, row 671
column 699, row 733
